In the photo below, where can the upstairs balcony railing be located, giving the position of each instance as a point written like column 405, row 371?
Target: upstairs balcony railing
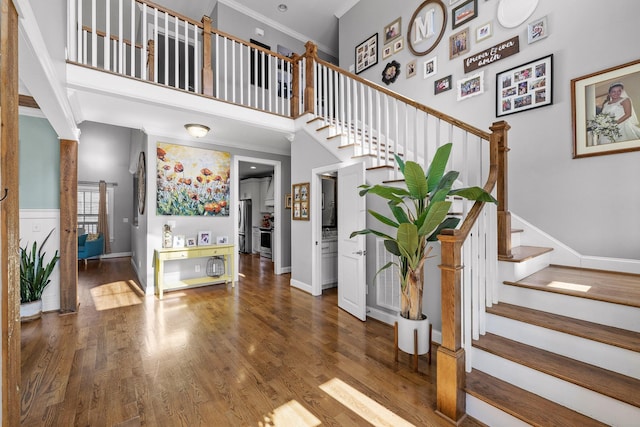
column 142, row 40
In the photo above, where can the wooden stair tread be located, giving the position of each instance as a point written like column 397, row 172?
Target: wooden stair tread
column 524, row 253
column 608, row 383
column 524, row 405
column 600, row 285
column 617, row 337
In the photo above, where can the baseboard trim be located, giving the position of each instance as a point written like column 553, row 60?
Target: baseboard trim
column 301, row 285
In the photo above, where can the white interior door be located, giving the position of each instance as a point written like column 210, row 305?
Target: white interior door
column 351, row 252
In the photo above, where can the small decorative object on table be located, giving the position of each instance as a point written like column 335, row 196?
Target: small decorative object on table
column 167, row 236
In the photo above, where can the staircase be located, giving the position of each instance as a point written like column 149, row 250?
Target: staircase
column 562, row 347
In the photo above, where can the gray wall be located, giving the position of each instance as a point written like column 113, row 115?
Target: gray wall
column 103, row 154
column 574, row 200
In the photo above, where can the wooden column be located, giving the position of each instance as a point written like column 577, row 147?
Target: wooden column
column 295, row 86
column 68, row 226
column 9, row 215
column 151, row 53
column 207, row 72
column 499, row 134
column 451, row 396
column 309, row 94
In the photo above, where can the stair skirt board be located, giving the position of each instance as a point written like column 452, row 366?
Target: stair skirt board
column 604, row 313
column 606, row 356
column 490, row 415
column 579, row 399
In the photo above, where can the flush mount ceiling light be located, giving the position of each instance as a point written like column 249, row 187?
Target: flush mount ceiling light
column 282, row 7
column 196, row 130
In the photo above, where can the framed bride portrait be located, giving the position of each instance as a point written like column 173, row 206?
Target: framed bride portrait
column 604, row 111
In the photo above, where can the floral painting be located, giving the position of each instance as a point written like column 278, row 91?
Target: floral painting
column 192, row 181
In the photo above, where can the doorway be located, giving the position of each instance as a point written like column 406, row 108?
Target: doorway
column 261, row 176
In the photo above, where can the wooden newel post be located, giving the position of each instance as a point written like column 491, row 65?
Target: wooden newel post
column 499, row 132
column 309, row 94
column 151, row 70
column 207, row 72
column 295, row 85
column 451, row 397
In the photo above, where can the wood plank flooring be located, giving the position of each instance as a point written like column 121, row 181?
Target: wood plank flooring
column 259, row 354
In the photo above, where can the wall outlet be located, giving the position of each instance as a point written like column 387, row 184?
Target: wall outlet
column 197, row 268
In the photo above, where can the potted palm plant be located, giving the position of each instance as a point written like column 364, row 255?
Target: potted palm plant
column 34, row 278
column 418, row 213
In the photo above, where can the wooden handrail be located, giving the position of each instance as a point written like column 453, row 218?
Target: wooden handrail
column 170, row 12
column 452, row 120
column 112, row 37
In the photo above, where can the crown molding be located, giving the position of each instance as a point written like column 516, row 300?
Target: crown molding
column 286, row 30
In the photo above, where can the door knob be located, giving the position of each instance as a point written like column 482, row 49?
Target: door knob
column 360, row 253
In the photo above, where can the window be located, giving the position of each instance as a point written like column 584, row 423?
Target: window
column 88, row 203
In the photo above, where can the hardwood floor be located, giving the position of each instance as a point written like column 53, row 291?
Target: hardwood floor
column 259, row 354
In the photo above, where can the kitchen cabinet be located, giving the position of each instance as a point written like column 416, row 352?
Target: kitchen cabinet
column 329, row 263
column 266, row 205
column 256, row 240
column 250, row 189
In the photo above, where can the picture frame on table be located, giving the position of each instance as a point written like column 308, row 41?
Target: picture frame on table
column 470, row 86
column 484, row 31
column 222, row 240
column 537, row 30
column 442, row 85
column 430, row 67
column 392, row 31
column 191, row 242
column 596, row 101
column 367, row 53
column 204, row 238
column 525, row 87
column 464, row 13
column 178, row 241
column 459, row 43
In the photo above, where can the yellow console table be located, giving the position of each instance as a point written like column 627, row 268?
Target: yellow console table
column 173, row 254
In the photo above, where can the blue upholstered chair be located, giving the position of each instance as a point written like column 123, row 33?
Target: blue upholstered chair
column 89, row 247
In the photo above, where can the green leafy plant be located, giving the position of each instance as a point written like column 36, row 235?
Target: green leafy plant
column 419, row 214
column 34, row 271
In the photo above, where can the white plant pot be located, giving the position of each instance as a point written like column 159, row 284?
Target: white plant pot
column 405, row 335
column 30, row 310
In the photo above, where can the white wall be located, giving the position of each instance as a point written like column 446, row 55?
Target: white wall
column 578, row 201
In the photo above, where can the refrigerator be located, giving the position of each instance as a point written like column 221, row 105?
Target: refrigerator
column 244, row 226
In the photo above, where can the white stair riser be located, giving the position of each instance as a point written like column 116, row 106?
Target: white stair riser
column 490, row 415
column 516, row 240
column 579, row 399
column 604, row 313
column 594, row 353
column 514, row 271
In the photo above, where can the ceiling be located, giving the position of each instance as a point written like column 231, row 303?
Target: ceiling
column 306, row 19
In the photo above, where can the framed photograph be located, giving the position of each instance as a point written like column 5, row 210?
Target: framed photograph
column 525, row 87
column 222, row 240
column 398, row 45
column 287, row 201
column 471, row 86
column 598, row 101
column 204, row 238
column 537, row 30
column 459, row 43
column 367, row 53
column 191, row 241
column 178, row 241
column 387, row 51
column 430, row 67
column 442, row 85
column 452, row 2
column 411, row 68
column 392, row 31
column 483, row 32
column 464, row 13
column 301, row 199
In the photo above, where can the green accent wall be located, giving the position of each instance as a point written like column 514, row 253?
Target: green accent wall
column 39, row 164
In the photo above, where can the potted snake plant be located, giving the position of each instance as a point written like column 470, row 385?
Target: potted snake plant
column 35, row 274
column 418, row 213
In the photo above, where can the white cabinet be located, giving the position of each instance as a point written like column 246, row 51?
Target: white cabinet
column 329, row 262
column 256, row 240
column 250, row 189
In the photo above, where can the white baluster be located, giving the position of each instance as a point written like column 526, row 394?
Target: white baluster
column 107, row 37
column 144, row 53
column 94, row 35
column 132, row 52
column 120, row 38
